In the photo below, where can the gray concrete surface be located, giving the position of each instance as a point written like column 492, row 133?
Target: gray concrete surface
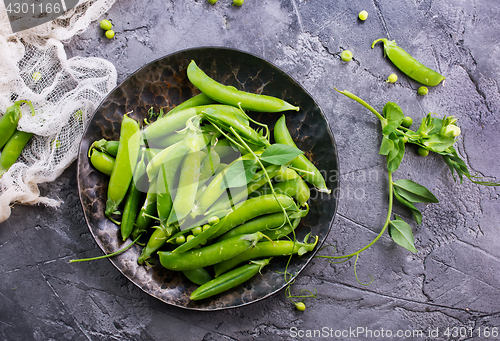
column 452, row 283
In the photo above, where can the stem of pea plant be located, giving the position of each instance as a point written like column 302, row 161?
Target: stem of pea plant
column 386, row 224
column 225, row 135
column 363, row 103
column 108, row 255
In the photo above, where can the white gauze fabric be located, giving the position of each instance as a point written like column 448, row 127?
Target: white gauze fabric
column 64, row 92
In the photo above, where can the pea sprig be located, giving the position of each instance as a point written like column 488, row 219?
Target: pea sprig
column 434, row 134
column 207, row 212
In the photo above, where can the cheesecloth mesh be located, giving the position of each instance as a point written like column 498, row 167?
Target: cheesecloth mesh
column 64, row 93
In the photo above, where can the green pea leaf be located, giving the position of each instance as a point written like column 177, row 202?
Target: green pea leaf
column 280, row 154
column 456, row 164
column 417, row 215
column 239, row 173
column 438, row 143
column 386, row 146
column 414, row 192
column 395, row 161
column 394, row 116
column 401, row 233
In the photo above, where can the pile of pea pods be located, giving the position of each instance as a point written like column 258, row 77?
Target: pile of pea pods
column 214, row 198
column 12, row 140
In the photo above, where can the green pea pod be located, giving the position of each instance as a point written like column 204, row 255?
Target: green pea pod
column 188, row 180
column 215, row 189
column 264, row 223
column 9, row 121
column 221, row 114
column 168, row 124
column 229, row 280
column 244, row 130
column 156, row 162
column 208, row 255
column 296, row 188
column 230, row 95
column 126, row 161
column 13, row 149
column 195, row 101
column 208, row 166
column 156, row 241
column 257, row 182
column 105, row 146
column 132, row 203
column 282, row 231
column 198, row 276
column 311, row 173
column 176, row 121
column 264, row 250
column 103, row 162
column 166, row 188
column 255, row 207
column 223, row 148
column 175, row 138
column 409, row 65
column 148, row 209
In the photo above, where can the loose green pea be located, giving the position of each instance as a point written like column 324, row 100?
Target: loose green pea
column 407, row 122
column 422, row 91
column 36, row 76
column 238, row 2
column 300, row 306
column 392, row 78
column 197, row 230
column 423, row 151
column 105, row 24
column 346, row 55
column 363, row 15
column 211, row 1
column 180, row 240
column 110, row 34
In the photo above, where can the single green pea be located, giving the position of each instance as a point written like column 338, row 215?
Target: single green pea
column 363, row 15
column 197, row 230
column 346, row 55
column 405, row 139
column 407, row 122
column 392, row 78
column 300, row 306
column 110, row 34
column 105, row 24
column 206, row 227
column 211, row 1
column 188, row 238
column 238, row 2
column 213, row 220
column 423, row 151
column 422, row 91
column 180, row 240
column 36, row 76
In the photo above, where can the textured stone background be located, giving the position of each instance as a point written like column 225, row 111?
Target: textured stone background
column 454, row 279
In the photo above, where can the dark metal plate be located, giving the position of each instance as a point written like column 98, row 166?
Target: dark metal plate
column 163, row 83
